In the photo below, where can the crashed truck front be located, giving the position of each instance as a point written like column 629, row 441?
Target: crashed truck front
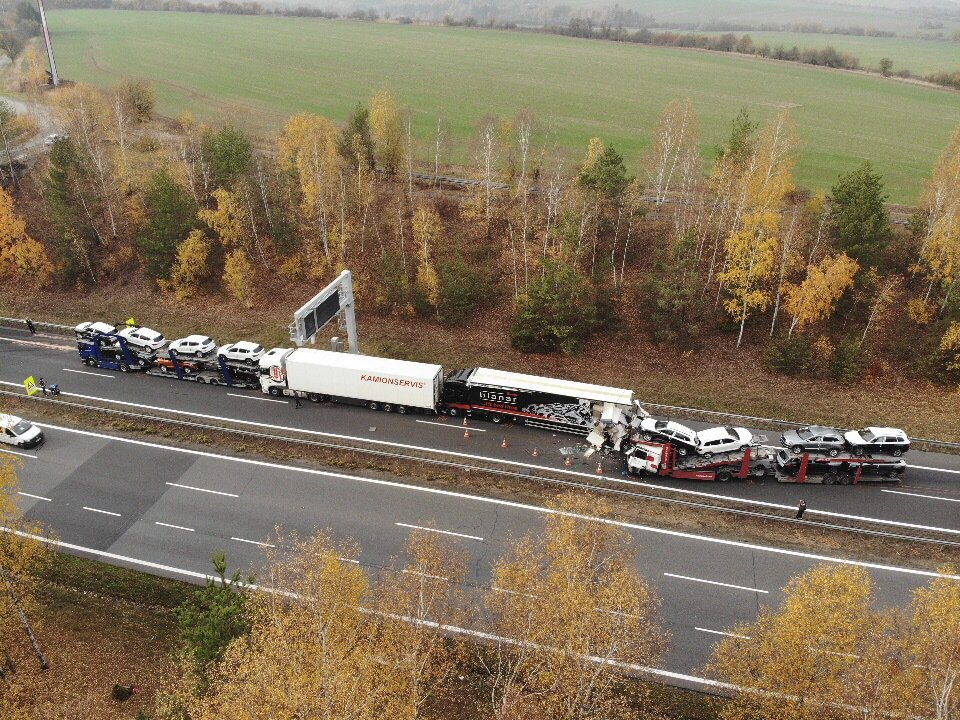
column 613, row 426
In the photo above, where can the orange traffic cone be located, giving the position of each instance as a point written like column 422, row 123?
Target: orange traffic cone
column 504, row 443
column 599, row 468
column 464, row 421
column 567, row 462
column 536, row 452
column 466, row 433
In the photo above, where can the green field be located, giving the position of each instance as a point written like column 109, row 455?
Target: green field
column 257, row 71
column 919, row 56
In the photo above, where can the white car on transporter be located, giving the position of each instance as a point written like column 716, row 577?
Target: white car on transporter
column 243, row 351
column 723, row 440
column 194, row 345
column 143, row 337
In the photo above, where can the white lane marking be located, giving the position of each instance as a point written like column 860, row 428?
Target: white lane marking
column 455, row 427
column 21, row 454
column 935, row 469
column 253, row 397
column 516, row 505
column 103, row 512
column 52, row 346
column 191, row 487
column 442, row 532
column 87, row 372
column 928, row 497
column 349, row 560
column 720, row 632
column 177, row 527
column 513, row 463
column 35, row 497
column 714, row 582
column 656, row 672
column 253, row 542
column 425, row 575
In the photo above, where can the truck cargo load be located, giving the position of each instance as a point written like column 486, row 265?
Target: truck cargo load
column 539, row 401
column 379, row 383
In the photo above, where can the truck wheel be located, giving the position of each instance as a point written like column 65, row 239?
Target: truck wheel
column 313, row 397
column 846, row 479
column 724, row 476
column 453, row 412
column 124, row 367
column 496, row 419
column 373, row 405
column 275, row 391
column 830, row 478
column 90, row 362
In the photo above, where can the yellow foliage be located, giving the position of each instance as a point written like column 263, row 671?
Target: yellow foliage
column 229, row 220
column 920, row 311
column 239, row 277
column 594, row 151
column 292, row 268
column 941, row 203
column 814, row 298
column 21, row 257
column 386, row 129
column 950, row 344
column 192, row 265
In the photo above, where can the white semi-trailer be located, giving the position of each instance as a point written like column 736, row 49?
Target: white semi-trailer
column 379, row 383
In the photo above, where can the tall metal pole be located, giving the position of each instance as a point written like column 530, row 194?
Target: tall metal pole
column 349, row 312
column 46, row 39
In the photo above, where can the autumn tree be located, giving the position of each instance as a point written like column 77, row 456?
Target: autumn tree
column 192, row 264
column 75, row 237
column 427, row 229
column 825, row 653
column 673, row 151
column 227, row 220
column 814, row 298
column 940, row 243
column 859, row 215
column 354, row 143
column 752, row 244
column 239, row 276
column 21, row 257
column 228, row 153
column 386, row 128
column 171, row 214
column 567, row 605
column 14, row 130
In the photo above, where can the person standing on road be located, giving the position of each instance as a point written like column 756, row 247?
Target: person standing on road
column 31, row 327
column 297, row 404
column 42, row 384
column 801, row 509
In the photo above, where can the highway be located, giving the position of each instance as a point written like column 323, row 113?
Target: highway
column 167, row 509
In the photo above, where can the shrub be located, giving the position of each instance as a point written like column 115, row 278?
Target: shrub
column 464, row 289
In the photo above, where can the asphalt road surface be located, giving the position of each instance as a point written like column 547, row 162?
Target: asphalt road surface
column 167, row 510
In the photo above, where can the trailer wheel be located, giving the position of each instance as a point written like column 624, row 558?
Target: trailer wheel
column 124, row 367
column 201, row 380
column 496, row 419
column 453, row 412
column 830, row 478
column 275, row 391
column 894, row 475
column 402, row 409
column 373, row 405
column 724, row 476
column 833, row 452
column 313, row 397
column 90, row 362
column 387, row 407
column 846, row 479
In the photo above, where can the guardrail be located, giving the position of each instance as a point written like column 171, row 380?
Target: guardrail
column 68, row 330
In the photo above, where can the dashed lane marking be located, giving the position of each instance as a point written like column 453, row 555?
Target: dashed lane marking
column 176, row 527
column 204, row 490
column 714, row 582
column 927, row 497
column 442, row 532
column 254, row 397
column 35, row 497
column 102, row 512
column 87, row 372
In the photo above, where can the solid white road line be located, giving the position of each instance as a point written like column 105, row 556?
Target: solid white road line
column 512, row 504
column 212, row 492
column 253, row 397
column 442, row 532
column 426, row 575
column 928, row 497
column 87, row 372
column 52, row 346
column 720, row 632
column 102, row 512
column 177, row 527
column 471, row 428
column 35, row 497
column 935, row 469
column 253, row 542
column 512, row 463
column 714, row 582
column 21, row 454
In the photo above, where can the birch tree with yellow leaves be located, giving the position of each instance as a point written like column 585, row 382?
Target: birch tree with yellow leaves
column 308, row 147
column 814, row 298
column 940, row 244
column 561, row 602
column 751, row 247
column 386, row 128
column 427, row 230
column 21, row 257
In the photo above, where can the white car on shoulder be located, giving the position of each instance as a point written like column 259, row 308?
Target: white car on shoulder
column 19, row 432
column 86, row 330
column 723, row 440
column 243, row 351
column 195, row 345
column 143, row 337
